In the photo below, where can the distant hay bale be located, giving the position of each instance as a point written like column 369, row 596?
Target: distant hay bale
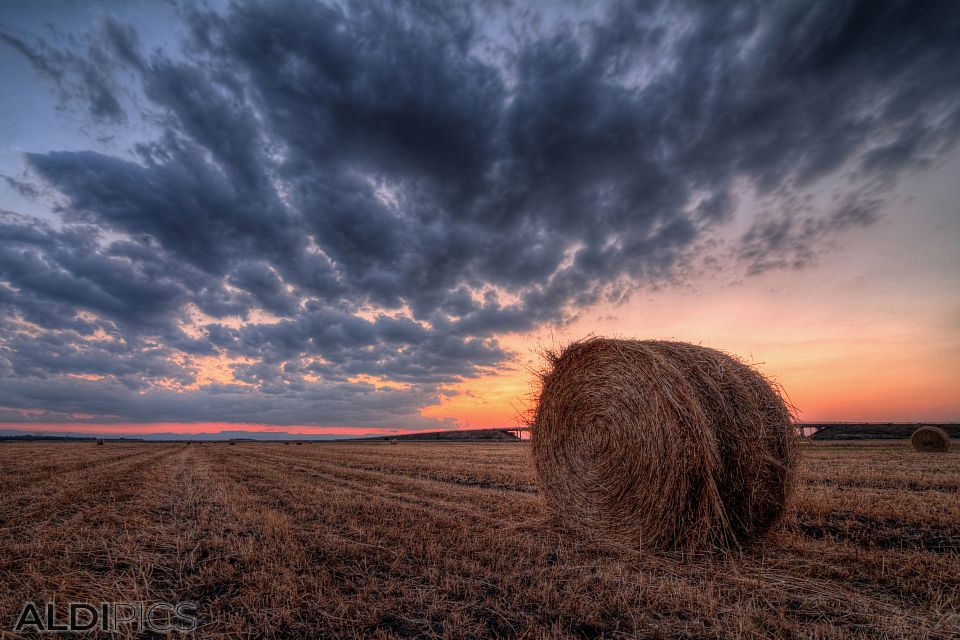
column 299, row 443
column 232, row 442
column 99, row 442
column 393, row 441
column 661, row 445
column 930, row 440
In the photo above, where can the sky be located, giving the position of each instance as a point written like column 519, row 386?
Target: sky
column 365, row 217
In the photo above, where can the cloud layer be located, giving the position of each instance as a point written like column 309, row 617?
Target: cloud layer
column 340, row 209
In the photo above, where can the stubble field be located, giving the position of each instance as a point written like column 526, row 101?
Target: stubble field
column 450, row 540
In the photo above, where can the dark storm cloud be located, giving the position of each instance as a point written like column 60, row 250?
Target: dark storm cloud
column 58, row 272
column 384, row 189
column 184, row 203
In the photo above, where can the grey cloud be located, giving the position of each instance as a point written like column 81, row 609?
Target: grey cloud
column 85, row 78
column 787, row 241
column 23, row 187
column 334, row 404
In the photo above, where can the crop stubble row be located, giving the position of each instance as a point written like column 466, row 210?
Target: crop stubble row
column 449, row 540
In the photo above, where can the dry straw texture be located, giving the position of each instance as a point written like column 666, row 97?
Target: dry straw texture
column 358, row 540
column 930, row 440
column 661, row 445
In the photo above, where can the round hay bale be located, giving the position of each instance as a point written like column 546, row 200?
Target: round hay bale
column 661, row 445
column 233, row 442
column 99, row 442
column 930, row 440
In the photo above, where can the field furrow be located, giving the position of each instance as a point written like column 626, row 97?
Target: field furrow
column 451, row 541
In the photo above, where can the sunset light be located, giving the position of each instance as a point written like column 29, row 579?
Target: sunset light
column 199, row 237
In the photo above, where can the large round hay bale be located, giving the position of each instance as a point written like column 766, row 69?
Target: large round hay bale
column 930, row 440
column 661, row 445
column 99, row 442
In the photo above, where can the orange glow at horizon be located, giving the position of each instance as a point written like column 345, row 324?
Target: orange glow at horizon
column 833, row 363
column 866, row 359
column 843, row 390
column 188, row 428
column 497, row 400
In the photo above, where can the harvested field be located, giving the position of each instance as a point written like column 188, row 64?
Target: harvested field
column 450, row 540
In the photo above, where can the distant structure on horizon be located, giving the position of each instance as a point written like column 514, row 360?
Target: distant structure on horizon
column 876, row 431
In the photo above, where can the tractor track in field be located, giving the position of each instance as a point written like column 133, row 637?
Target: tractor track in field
column 71, row 494
column 422, row 473
column 404, row 487
column 882, row 533
column 24, row 479
column 398, row 490
column 884, row 485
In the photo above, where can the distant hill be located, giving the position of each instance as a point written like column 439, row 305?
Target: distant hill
column 472, row 435
column 69, row 438
column 875, row 431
